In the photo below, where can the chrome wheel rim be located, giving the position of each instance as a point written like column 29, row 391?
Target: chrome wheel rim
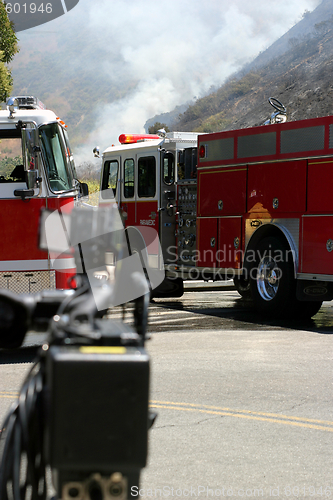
column 268, row 278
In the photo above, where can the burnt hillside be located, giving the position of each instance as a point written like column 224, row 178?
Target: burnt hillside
column 301, row 78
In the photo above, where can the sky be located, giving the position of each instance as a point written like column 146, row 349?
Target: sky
column 177, row 50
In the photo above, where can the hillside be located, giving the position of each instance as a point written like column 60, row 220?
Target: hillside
column 63, row 82
column 94, row 81
column 300, row 77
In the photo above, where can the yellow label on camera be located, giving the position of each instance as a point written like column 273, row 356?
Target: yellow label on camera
column 99, row 349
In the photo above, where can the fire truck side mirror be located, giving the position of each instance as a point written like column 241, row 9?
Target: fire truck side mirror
column 96, row 152
column 84, row 189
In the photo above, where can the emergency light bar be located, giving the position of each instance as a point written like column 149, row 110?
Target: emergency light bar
column 133, row 138
column 28, row 102
column 62, row 123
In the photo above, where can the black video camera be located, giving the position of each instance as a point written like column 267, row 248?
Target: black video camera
column 82, row 413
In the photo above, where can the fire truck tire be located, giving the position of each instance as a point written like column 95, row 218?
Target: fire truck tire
column 243, row 287
column 273, row 285
column 169, row 288
column 307, row 309
column 13, row 338
column 141, row 314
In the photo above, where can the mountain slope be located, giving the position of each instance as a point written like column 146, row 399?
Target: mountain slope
column 50, row 71
column 86, row 77
column 304, row 27
column 300, row 78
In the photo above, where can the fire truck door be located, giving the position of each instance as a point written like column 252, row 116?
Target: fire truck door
column 127, row 191
column 146, row 200
column 110, row 188
column 167, row 206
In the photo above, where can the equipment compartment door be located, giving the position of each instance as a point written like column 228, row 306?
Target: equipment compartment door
column 222, row 192
column 229, row 254
column 317, row 244
column 278, row 187
column 320, row 178
column 207, row 241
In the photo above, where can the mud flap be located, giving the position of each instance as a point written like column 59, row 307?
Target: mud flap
column 310, row 290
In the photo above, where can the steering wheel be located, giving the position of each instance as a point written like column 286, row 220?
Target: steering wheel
column 56, row 177
column 277, row 105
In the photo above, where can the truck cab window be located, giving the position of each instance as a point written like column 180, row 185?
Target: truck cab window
column 187, row 163
column 129, row 178
column 56, row 164
column 11, row 161
column 168, row 168
column 110, row 178
column 191, row 163
column 147, row 177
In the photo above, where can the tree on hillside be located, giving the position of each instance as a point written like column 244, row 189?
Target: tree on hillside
column 156, row 127
column 8, row 48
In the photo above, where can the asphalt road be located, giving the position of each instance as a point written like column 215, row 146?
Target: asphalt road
column 244, row 405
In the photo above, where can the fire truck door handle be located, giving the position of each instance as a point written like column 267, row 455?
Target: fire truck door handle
column 24, row 193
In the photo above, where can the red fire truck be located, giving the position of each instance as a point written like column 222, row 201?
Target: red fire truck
column 253, row 204
column 36, row 170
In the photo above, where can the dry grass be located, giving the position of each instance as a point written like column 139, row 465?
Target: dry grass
column 93, row 186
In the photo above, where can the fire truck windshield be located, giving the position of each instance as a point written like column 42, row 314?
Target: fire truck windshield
column 55, row 158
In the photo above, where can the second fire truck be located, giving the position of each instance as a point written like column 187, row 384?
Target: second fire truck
column 253, row 204
column 36, row 171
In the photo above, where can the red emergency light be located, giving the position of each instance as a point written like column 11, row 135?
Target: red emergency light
column 202, row 151
column 133, row 138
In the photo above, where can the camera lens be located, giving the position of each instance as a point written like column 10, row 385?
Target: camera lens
column 116, row 490
column 73, row 492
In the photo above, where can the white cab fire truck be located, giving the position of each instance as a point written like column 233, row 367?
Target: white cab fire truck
column 254, row 205
column 36, row 171
column 142, row 176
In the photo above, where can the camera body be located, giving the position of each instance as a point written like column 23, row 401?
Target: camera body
column 96, row 409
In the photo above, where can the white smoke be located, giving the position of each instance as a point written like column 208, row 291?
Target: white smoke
column 177, row 50
column 168, row 53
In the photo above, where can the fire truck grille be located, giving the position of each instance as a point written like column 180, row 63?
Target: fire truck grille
column 25, row 282
column 331, row 137
column 303, row 139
